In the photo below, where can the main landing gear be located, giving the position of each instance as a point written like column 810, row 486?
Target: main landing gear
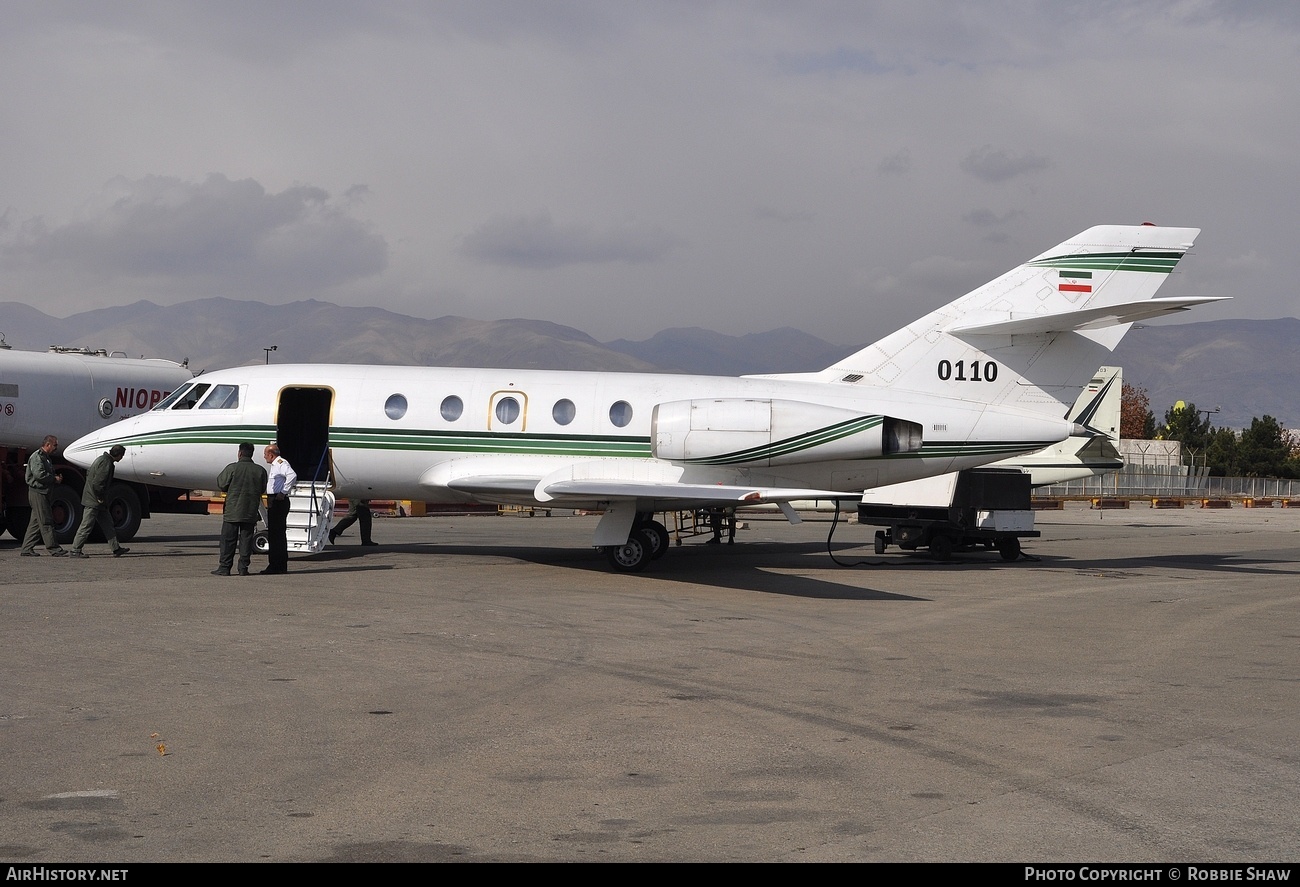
column 648, row 541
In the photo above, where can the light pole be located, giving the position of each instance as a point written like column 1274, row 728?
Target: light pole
column 268, row 352
column 1208, row 413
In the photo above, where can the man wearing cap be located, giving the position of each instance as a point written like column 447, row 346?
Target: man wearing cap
column 94, row 502
column 280, row 478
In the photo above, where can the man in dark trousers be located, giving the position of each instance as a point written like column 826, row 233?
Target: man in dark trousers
column 94, row 501
column 280, row 478
column 358, row 512
column 41, row 479
column 243, row 483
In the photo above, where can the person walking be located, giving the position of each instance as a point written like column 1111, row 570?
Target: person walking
column 94, row 501
column 358, row 513
column 243, row 482
column 280, row 478
column 41, row 478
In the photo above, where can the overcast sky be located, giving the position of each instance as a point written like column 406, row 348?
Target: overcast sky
column 625, row 167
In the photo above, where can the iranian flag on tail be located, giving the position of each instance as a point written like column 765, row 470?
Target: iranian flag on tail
column 1074, row 281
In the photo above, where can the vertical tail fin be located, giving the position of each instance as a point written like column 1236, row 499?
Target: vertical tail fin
column 1033, row 337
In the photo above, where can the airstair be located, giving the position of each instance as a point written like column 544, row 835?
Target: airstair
column 311, row 511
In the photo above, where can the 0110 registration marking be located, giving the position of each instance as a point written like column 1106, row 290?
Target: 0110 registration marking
column 968, row 371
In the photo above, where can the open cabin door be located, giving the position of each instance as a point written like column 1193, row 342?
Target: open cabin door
column 302, row 429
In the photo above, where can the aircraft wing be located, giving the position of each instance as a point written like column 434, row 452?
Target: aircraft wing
column 688, row 495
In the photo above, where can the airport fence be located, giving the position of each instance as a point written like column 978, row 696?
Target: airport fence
column 1171, row 481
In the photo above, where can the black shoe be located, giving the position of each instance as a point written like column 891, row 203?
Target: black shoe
column 30, row 553
column 220, row 572
column 59, row 552
column 119, row 551
column 77, row 553
column 333, row 536
column 368, row 542
column 243, row 572
column 272, row 572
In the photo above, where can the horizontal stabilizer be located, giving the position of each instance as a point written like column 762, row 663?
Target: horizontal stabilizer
column 1083, row 319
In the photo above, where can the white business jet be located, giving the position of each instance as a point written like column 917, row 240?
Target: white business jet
column 988, row 376
column 1092, row 454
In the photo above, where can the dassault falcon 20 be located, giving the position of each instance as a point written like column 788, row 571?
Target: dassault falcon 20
column 990, row 375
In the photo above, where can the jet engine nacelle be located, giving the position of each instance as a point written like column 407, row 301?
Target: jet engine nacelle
column 736, row 431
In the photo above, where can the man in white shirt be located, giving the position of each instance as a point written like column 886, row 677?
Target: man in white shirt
column 280, row 477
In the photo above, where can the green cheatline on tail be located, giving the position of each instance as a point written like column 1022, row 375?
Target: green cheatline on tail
column 1155, row 263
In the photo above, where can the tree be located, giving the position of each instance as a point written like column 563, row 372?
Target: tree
column 1183, row 423
column 1221, row 453
column 1136, row 421
column 1264, row 448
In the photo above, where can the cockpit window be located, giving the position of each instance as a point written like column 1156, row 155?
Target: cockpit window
column 192, row 396
column 170, row 399
column 223, row 397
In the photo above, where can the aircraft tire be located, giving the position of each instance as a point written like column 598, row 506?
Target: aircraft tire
column 124, row 509
column 261, row 542
column 630, row 557
column 65, row 502
column 657, row 536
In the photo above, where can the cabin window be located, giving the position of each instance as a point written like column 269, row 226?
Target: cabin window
column 395, row 406
column 507, row 410
column 452, row 407
column 563, row 411
column 223, row 397
column 621, row 413
column 176, row 395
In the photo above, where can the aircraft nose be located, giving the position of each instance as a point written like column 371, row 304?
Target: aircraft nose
column 83, row 450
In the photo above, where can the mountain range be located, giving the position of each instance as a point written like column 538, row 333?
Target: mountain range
column 1245, row 368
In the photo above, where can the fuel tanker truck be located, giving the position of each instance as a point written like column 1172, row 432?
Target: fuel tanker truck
column 70, row 392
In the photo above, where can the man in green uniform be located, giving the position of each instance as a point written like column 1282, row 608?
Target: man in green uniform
column 94, row 500
column 243, row 482
column 358, row 510
column 41, row 479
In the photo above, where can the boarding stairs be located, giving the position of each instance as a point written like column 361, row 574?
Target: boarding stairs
column 311, row 512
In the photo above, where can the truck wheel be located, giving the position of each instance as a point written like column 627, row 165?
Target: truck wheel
column 16, row 521
column 941, row 547
column 1009, row 548
column 880, row 541
column 124, row 509
column 65, row 503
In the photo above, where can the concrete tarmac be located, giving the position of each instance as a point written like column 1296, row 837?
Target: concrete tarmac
column 484, row 689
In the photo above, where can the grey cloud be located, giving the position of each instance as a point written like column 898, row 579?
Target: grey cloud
column 897, row 164
column 986, row 218
column 785, row 217
column 537, row 242
column 161, row 227
column 990, row 165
